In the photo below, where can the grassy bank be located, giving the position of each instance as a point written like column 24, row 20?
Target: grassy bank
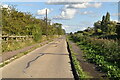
column 17, row 56
column 12, row 45
column 29, row 50
column 79, row 71
column 102, row 52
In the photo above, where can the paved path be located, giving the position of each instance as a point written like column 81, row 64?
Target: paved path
column 49, row 61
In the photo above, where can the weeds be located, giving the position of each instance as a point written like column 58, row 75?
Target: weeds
column 104, row 53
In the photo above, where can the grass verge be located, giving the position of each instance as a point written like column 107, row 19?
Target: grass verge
column 20, row 55
column 78, row 73
column 101, row 52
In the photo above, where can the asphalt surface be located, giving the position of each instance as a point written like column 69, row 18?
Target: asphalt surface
column 49, row 61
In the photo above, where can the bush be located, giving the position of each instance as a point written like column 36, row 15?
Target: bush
column 37, row 33
column 104, row 53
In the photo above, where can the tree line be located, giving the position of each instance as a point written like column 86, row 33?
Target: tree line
column 103, row 27
column 19, row 23
column 104, row 53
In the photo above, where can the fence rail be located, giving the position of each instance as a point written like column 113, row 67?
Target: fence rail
column 6, row 38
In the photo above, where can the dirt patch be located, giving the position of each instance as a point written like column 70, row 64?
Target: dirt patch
column 89, row 68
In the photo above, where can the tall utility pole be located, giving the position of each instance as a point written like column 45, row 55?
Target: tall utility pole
column 46, row 23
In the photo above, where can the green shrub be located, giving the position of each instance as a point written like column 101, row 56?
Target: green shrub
column 104, row 53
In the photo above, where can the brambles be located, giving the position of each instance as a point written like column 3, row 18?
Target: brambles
column 104, row 53
column 101, row 45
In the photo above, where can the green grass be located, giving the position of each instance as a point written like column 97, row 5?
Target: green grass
column 24, row 53
column 18, row 56
column 81, row 74
column 102, row 52
column 12, row 45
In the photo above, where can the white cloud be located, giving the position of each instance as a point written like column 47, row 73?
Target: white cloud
column 67, row 1
column 86, row 12
column 59, row 2
column 43, row 11
column 96, row 5
column 70, row 10
column 65, row 26
column 66, row 14
column 84, row 5
column 116, row 14
column 73, row 28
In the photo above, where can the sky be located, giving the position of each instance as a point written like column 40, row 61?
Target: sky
column 73, row 15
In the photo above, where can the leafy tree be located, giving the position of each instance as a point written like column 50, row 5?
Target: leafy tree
column 107, row 26
column 111, row 28
column 97, row 25
column 103, row 27
column 118, row 29
column 105, row 22
column 19, row 23
column 107, row 18
column 37, row 33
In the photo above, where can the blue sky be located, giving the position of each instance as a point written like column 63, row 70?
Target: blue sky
column 74, row 17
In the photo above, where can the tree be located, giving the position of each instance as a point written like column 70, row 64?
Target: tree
column 103, row 27
column 19, row 23
column 59, row 29
column 97, row 25
column 118, row 29
column 111, row 28
column 107, row 18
